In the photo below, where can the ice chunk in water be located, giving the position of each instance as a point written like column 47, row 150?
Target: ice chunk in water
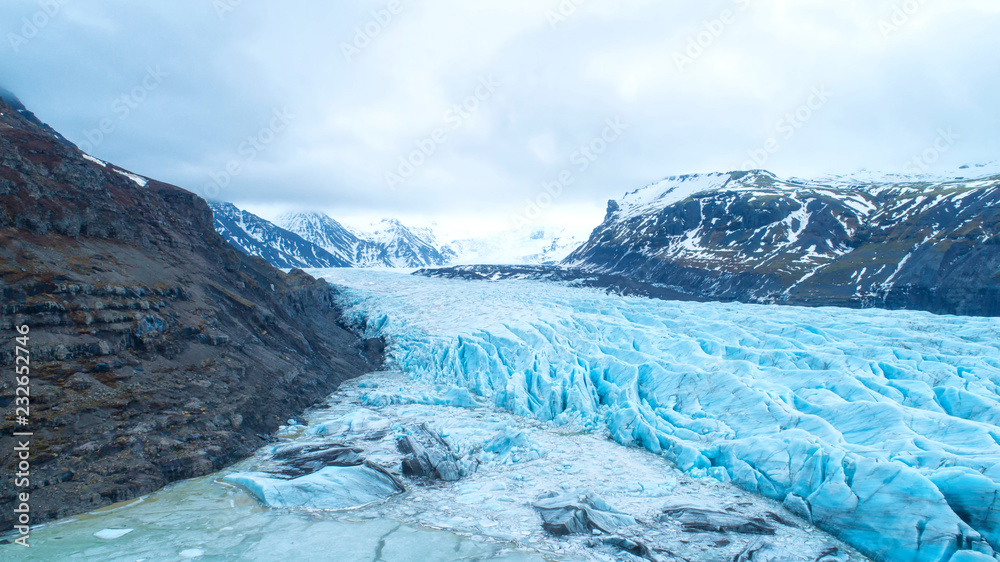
column 357, row 422
column 112, row 534
column 334, row 487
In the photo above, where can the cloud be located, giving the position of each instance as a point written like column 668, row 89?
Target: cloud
column 368, row 82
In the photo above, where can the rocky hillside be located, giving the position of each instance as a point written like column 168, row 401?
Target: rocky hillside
column 752, row 237
column 158, row 352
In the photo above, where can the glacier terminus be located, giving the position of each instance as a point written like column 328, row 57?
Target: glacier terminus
column 877, row 426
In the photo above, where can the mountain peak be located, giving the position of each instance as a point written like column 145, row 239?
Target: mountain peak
column 257, row 237
column 392, row 222
column 312, row 219
column 388, row 243
column 674, row 189
column 9, row 98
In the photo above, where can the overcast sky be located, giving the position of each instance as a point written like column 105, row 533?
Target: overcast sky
column 498, row 97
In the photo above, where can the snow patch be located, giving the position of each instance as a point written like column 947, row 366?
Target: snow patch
column 139, row 180
column 99, row 162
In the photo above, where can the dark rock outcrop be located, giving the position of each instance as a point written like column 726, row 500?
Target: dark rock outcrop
column 579, row 513
column 158, row 352
column 428, row 456
column 695, row 519
column 301, row 459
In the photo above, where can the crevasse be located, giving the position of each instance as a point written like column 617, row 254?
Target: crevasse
column 880, row 427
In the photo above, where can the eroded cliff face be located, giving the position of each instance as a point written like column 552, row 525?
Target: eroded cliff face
column 157, row 351
column 752, row 237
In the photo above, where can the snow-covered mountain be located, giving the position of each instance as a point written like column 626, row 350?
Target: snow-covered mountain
column 858, row 241
column 387, row 244
column 258, row 237
column 400, row 246
column 536, row 246
column 328, row 234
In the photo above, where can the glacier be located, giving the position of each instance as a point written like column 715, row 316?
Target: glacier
column 877, row 426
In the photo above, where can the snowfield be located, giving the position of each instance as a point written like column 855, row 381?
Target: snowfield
column 880, row 427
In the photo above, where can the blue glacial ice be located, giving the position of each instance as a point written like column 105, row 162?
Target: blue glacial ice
column 511, row 446
column 878, row 426
column 332, row 488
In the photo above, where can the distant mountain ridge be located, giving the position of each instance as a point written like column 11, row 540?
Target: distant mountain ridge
column 753, row 237
column 406, row 247
column 255, row 236
column 328, row 234
column 389, row 244
column 314, row 240
column 533, row 246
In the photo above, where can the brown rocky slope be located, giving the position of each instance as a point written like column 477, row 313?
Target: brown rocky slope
column 157, row 351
